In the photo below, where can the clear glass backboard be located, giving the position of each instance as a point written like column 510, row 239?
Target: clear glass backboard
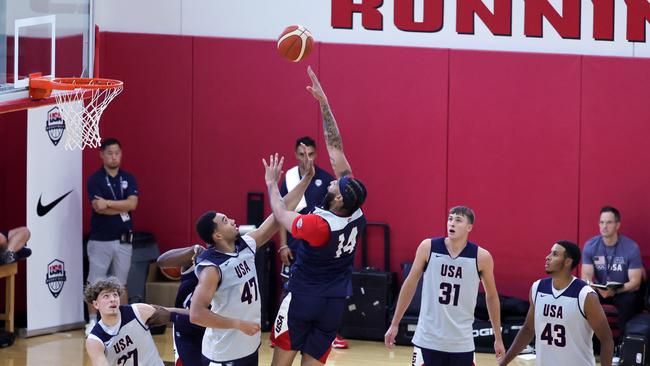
column 52, row 37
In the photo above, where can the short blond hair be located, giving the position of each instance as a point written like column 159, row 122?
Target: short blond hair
column 92, row 291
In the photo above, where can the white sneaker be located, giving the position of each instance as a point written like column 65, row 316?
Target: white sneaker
column 89, row 327
column 527, row 351
column 616, row 361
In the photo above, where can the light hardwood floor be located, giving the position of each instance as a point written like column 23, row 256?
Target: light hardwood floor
column 67, row 348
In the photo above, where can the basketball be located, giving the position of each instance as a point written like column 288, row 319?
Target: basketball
column 295, row 43
column 173, row 273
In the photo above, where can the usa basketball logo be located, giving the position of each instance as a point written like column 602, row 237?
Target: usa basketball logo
column 55, row 125
column 55, row 277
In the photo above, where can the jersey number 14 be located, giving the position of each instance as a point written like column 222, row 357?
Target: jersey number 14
column 347, row 246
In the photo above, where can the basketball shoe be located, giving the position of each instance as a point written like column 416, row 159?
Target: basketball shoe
column 339, row 342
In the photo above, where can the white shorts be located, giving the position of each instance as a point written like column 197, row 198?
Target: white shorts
column 108, row 258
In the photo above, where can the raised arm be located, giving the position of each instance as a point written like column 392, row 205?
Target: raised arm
column 273, row 172
column 283, row 209
column 408, row 290
column 333, row 138
column 486, row 270
column 179, row 257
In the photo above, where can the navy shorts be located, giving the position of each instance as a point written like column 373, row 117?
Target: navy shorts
column 429, row 357
column 188, row 346
column 250, row 360
column 308, row 324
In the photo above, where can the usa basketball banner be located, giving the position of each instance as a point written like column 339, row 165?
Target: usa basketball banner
column 54, row 217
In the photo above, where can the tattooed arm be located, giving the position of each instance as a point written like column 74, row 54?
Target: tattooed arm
column 333, row 139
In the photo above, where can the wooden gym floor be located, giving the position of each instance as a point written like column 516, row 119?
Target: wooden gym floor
column 67, row 348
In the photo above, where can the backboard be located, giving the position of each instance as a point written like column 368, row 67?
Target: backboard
column 52, row 37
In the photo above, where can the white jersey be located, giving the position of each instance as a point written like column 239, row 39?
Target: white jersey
column 237, row 296
column 562, row 333
column 128, row 342
column 449, row 294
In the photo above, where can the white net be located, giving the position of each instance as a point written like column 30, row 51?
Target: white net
column 81, row 110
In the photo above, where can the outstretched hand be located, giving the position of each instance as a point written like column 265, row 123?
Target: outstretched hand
column 273, row 170
column 308, row 162
column 315, row 89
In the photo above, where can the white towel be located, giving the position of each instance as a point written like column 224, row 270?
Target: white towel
column 292, row 178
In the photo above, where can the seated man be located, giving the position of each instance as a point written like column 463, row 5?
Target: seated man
column 12, row 245
column 615, row 258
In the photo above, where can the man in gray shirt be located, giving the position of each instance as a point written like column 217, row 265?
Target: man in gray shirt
column 615, row 258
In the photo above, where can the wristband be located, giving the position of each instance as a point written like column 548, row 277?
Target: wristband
column 173, row 316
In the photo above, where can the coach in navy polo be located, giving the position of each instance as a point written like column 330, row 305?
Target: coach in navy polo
column 114, row 195
column 314, row 195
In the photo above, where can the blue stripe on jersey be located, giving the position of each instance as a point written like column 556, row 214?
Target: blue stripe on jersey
column 546, row 287
column 185, row 290
column 216, row 257
column 126, row 315
column 438, row 247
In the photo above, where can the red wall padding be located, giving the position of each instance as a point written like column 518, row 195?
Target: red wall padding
column 614, row 157
column 247, row 103
column 518, row 137
column 153, row 120
column 513, row 155
column 393, row 120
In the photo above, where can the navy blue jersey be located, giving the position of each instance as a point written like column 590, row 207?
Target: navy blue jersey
column 327, row 270
column 186, row 288
column 313, row 197
column 183, row 297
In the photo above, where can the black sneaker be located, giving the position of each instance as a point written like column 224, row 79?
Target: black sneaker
column 23, row 253
column 6, row 339
column 7, row 257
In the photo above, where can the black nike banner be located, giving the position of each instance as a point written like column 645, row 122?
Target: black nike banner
column 54, row 217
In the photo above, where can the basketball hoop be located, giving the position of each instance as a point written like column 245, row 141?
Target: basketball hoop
column 81, row 102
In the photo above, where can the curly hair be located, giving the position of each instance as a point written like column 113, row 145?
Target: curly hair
column 92, row 291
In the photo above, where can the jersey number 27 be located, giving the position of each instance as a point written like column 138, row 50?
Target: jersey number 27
column 347, row 246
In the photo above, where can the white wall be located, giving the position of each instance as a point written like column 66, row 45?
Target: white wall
column 265, row 19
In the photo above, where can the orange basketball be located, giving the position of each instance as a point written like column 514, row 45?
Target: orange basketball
column 295, row 43
column 173, row 273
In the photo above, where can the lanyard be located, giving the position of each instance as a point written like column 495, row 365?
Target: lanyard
column 609, row 260
column 108, row 183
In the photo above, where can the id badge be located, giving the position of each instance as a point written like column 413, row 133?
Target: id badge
column 125, row 216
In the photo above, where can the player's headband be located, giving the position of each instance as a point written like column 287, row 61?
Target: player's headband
column 347, row 192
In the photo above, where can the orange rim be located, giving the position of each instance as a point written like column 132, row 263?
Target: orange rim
column 84, row 83
column 40, row 87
